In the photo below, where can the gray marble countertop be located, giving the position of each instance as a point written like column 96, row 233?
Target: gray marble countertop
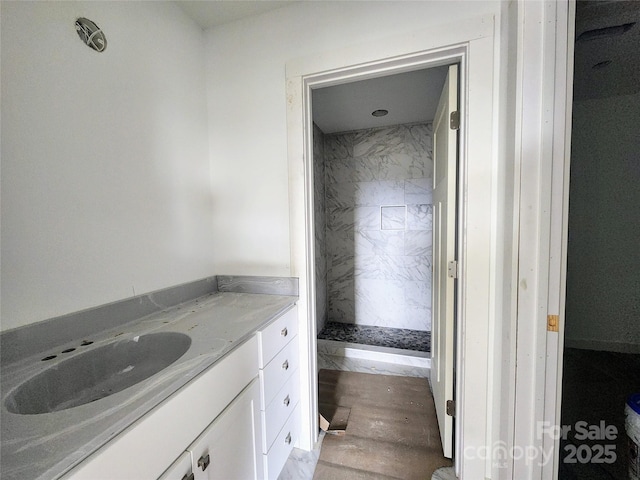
column 46, row 446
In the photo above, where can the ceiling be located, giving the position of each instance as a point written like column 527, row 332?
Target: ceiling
column 622, row 75
column 409, row 97
column 604, row 66
column 213, row 13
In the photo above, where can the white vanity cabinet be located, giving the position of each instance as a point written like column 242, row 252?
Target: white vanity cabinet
column 227, row 393
column 229, row 448
column 237, row 420
column 180, row 469
column 280, row 390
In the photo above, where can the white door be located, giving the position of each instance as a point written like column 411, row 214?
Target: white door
column 445, row 155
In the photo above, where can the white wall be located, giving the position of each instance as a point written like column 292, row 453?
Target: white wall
column 105, row 172
column 247, row 111
column 249, row 144
column 603, row 272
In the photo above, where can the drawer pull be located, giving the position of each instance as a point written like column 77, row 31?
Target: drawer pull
column 203, row 462
column 188, row 476
column 285, row 365
column 287, row 401
column 287, row 439
column 284, row 332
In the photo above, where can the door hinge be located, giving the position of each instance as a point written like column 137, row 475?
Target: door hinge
column 553, row 323
column 452, row 269
column 454, row 120
column 451, row 408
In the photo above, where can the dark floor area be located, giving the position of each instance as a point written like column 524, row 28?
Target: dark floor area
column 405, row 339
column 595, row 388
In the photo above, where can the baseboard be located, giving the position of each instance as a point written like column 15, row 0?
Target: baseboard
column 379, row 354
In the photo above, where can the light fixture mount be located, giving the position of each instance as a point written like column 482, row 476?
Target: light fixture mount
column 91, row 34
column 379, row 113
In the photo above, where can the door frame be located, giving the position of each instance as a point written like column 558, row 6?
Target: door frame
column 542, row 152
column 472, row 44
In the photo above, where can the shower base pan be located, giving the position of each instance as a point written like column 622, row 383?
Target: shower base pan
column 396, row 338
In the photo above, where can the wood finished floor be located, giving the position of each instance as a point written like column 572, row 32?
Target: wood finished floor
column 392, row 430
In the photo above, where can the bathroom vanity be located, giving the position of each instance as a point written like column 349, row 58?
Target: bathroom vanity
column 225, row 408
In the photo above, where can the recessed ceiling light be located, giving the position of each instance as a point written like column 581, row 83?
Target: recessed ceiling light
column 600, row 65
column 379, row 113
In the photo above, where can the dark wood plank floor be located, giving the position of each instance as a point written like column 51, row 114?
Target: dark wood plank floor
column 392, row 430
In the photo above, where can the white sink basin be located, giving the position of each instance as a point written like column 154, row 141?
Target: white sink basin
column 97, row 373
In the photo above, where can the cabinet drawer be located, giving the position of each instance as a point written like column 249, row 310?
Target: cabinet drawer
column 279, row 410
column 277, row 372
column 276, row 335
column 285, row 441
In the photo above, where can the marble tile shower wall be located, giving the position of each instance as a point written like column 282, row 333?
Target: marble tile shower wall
column 320, row 227
column 378, row 191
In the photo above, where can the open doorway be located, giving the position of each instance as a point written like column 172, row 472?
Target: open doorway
column 473, row 49
column 373, row 170
column 602, row 340
column 376, row 180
